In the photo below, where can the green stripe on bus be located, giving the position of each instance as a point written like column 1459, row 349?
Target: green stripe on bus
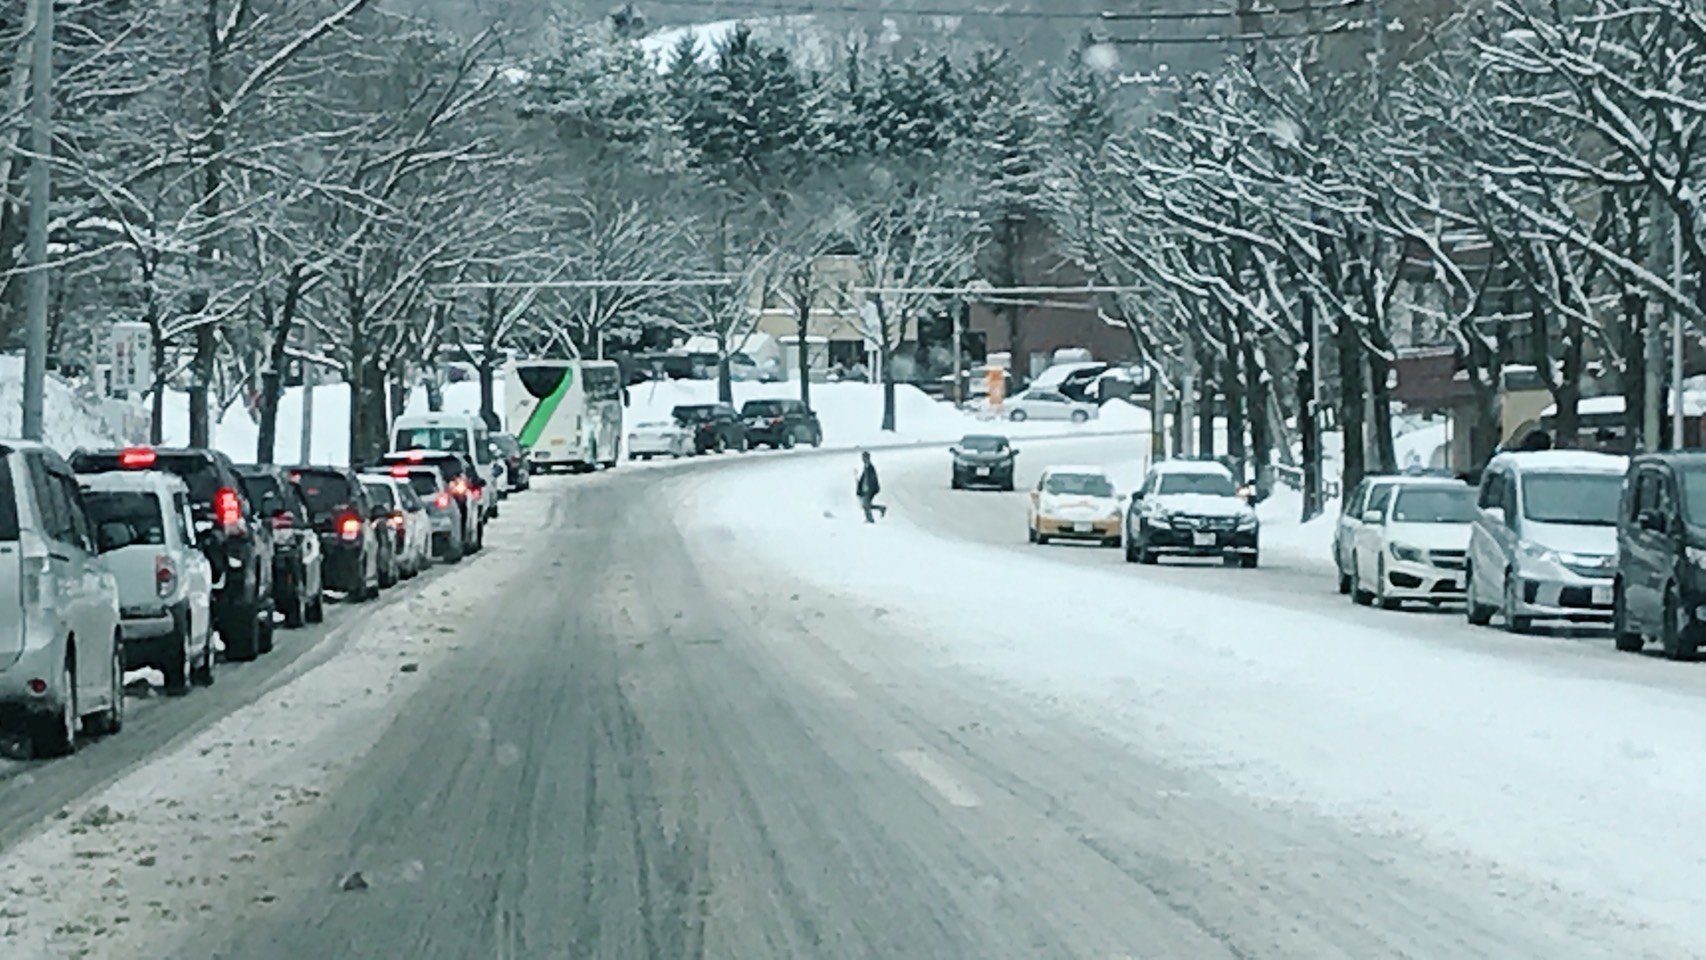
column 541, row 415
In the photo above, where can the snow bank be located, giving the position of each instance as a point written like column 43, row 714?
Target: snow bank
column 1284, row 535
column 1565, row 787
column 69, row 418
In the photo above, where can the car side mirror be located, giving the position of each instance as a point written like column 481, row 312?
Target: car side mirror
column 1373, row 516
column 1013, row 451
column 956, row 451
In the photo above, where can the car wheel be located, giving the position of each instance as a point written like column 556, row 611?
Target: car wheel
column 1251, row 560
column 264, row 631
column 1030, row 533
column 1386, row 602
column 1079, row 416
column 241, row 637
column 956, row 483
column 1018, row 416
column 1007, row 485
column 1626, row 640
column 317, row 608
column 1344, row 582
column 1359, row 596
column 296, row 611
column 1479, row 614
column 788, row 440
column 721, row 446
column 56, row 736
column 1681, row 637
column 111, row 720
column 177, row 666
column 1513, row 622
column 817, row 438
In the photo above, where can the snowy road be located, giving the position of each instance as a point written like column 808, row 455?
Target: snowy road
column 706, row 713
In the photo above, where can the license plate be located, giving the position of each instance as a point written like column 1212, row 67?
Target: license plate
column 983, row 471
column 1602, row 595
column 1202, row 538
column 1082, row 526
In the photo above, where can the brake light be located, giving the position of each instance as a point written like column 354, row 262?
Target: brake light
column 475, row 491
column 443, row 500
column 136, row 458
column 349, row 526
column 775, row 421
column 227, row 509
column 282, row 520
column 415, row 456
column 165, row 575
column 296, row 476
column 459, row 487
column 399, row 471
column 397, row 520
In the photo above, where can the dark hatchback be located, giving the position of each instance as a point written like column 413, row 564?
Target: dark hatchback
column 343, row 519
column 236, row 539
column 460, row 481
column 716, row 426
column 780, row 423
column 298, row 584
column 983, row 460
column 1660, row 588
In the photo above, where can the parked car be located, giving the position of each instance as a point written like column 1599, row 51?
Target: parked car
column 1192, row 508
column 443, row 515
column 343, row 519
column 1074, row 503
column 1412, row 542
column 464, row 434
column 462, row 483
column 1660, row 589
column 1039, row 404
column 298, row 569
column 61, row 654
column 780, row 423
column 389, row 526
column 146, row 534
column 660, row 438
column 716, row 427
column 1544, row 545
column 1351, row 509
column 519, row 470
column 983, row 460
column 405, row 523
column 237, row 541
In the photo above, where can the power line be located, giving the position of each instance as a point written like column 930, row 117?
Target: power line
column 806, row 8
column 1346, row 27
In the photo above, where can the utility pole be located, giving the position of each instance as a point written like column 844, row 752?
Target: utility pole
column 960, row 310
column 35, row 242
column 1659, row 250
column 1676, row 411
column 306, row 453
column 1187, row 400
column 1157, row 414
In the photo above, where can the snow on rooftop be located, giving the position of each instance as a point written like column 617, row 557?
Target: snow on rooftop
column 1586, row 460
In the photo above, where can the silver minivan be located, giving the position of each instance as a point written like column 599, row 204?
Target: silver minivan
column 61, row 656
column 1544, row 542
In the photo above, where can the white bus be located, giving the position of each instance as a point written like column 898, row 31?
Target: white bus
column 566, row 413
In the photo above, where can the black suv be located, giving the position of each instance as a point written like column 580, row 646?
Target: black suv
column 297, row 571
column 983, row 460
column 1661, row 554
column 345, row 521
column 460, row 481
column 237, row 540
column 519, row 473
column 780, row 423
column 716, row 426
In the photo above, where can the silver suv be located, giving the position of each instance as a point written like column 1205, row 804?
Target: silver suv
column 61, row 656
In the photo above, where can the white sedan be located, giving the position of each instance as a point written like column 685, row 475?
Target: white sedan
column 1412, row 542
column 659, row 438
column 1040, row 404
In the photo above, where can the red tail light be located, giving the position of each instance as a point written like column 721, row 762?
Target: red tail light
column 475, row 491
column 443, row 500
column 136, row 458
column 165, row 575
column 282, row 520
column 775, row 421
column 227, row 509
column 296, row 476
column 397, row 520
column 399, row 471
column 459, row 487
column 349, row 526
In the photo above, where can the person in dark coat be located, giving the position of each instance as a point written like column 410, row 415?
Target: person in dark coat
column 867, row 488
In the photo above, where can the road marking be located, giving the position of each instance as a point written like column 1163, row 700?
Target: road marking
column 939, row 779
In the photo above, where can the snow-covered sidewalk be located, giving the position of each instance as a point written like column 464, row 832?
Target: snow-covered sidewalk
column 1585, row 786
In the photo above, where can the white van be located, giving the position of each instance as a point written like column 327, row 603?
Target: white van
column 459, row 433
column 1544, row 542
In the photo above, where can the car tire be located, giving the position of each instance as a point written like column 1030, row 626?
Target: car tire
column 1251, row 560
column 1018, row 416
column 1007, row 485
column 721, row 446
column 242, row 642
column 264, row 631
column 111, row 720
column 1359, row 596
column 1079, row 416
column 1030, row 533
column 1681, row 637
column 177, row 668
column 1380, row 597
column 56, row 736
column 817, row 438
column 296, row 611
column 1513, row 622
column 1626, row 640
column 1477, row 613
column 956, row 483
column 1344, row 583
column 788, row 440
column 202, row 673
column 317, row 608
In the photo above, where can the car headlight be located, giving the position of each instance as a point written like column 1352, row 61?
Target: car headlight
column 1539, row 554
column 1406, row 552
column 1162, row 517
column 1247, row 521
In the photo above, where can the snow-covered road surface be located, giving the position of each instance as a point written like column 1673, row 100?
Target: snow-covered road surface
column 709, row 713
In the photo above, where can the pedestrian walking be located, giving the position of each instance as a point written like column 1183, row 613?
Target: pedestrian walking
column 867, row 488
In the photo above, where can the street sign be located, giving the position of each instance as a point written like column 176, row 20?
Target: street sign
column 133, row 367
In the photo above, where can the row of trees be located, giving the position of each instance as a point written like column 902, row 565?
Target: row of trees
column 259, row 183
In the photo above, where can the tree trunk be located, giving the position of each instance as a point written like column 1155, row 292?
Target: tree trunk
column 1306, row 408
column 1385, row 452
column 278, row 356
column 802, row 330
column 201, row 381
column 157, row 350
column 1206, row 390
column 1233, row 389
column 367, row 444
column 1256, row 401
column 1634, row 362
column 1353, row 411
column 489, row 393
column 1569, row 393
column 725, row 379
